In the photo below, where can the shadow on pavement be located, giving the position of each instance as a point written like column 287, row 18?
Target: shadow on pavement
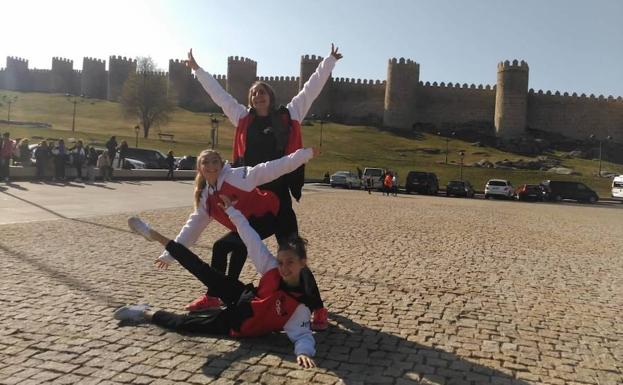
column 63, row 277
column 64, row 217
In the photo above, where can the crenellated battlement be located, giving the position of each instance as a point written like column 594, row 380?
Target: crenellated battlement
column 121, row 59
column 402, row 62
column 241, row 60
column 94, row 60
column 566, row 96
column 278, row 78
column 514, row 65
column 463, row 86
column 153, row 73
column 15, row 59
column 311, row 59
column 40, row 71
column 57, row 59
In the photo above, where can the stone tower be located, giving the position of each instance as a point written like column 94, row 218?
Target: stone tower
column 119, row 69
column 241, row 73
column 62, row 75
column 511, row 99
column 17, row 76
column 93, row 78
column 322, row 105
column 180, row 82
column 403, row 77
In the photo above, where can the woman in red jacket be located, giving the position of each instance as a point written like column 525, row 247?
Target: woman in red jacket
column 280, row 301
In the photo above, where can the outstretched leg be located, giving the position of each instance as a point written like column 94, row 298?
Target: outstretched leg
column 227, row 289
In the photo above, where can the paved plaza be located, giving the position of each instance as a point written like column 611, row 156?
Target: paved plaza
column 420, row 289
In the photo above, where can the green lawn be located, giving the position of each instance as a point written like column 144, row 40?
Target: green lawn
column 344, row 147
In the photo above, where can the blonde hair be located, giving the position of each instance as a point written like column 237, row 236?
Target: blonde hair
column 200, row 182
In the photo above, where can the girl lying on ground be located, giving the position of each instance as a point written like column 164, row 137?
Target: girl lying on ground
column 278, row 303
column 260, row 207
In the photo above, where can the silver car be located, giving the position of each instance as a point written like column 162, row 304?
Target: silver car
column 499, row 188
column 345, row 179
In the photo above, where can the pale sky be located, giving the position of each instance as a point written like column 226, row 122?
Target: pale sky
column 570, row 45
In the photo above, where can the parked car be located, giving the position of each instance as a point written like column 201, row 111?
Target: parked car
column 345, row 179
column 373, row 177
column 617, row 188
column 460, row 188
column 499, row 188
column 557, row 190
column 144, row 158
column 187, row 162
column 529, row 192
column 422, row 182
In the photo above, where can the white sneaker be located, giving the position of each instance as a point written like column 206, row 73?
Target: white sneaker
column 132, row 313
column 140, row 227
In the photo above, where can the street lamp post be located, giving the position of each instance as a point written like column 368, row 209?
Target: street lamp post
column 214, row 133
column 600, row 148
column 447, row 141
column 322, row 122
column 462, row 155
column 137, row 128
column 74, row 101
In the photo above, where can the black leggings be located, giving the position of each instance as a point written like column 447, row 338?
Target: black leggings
column 227, row 289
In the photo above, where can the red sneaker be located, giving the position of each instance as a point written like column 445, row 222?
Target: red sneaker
column 320, row 320
column 204, row 302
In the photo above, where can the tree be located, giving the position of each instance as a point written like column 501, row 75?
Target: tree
column 145, row 95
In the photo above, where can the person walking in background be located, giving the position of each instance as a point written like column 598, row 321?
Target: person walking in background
column 170, row 164
column 59, row 156
column 387, row 183
column 79, row 157
column 24, row 152
column 7, row 147
column 91, row 164
column 42, row 157
column 111, row 145
column 123, row 153
column 103, row 163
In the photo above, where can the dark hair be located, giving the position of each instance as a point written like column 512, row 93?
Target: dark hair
column 296, row 244
column 269, row 90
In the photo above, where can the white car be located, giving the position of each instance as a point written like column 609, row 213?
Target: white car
column 499, row 188
column 345, row 179
column 617, row 188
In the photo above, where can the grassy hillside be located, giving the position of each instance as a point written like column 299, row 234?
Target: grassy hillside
column 344, row 147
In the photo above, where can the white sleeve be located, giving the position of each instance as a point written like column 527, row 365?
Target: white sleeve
column 191, row 231
column 300, row 104
column 298, row 330
column 261, row 257
column 248, row 178
column 228, row 103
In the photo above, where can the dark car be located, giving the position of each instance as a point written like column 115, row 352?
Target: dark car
column 422, row 182
column 144, row 158
column 530, row 192
column 187, row 162
column 556, row 190
column 460, row 188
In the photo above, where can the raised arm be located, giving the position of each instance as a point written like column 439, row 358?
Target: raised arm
column 301, row 103
column 228, row 103
column 248, row 178
column 261, row 257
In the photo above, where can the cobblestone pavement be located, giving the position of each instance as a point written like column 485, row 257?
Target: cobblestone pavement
column 420, row 290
